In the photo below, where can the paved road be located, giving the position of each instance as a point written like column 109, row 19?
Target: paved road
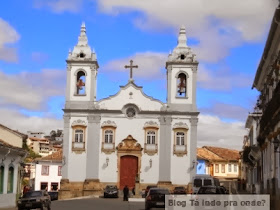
column 95, row 204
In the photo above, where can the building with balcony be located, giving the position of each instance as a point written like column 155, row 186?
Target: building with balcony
column 266, row 81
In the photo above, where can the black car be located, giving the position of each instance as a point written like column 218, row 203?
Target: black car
column 156, row 198
column 211, row 190
column 179, row 190
column 54, row 195
column 111, row 191
column 34, row 199
column 148, row 188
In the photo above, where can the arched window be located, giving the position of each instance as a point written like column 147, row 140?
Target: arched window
column 79, row 135
column 180, row 138
column 109, row 136
column 10, row 179
column 182, row 85
column 151, row 137
column 1, row 179
column 81, row 80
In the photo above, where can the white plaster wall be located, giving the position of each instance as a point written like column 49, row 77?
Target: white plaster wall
column 73, row 82
column 180, row 166
column 7, row 200
column 175, row 70
column 10, row 137
column 150, row 175
column 123, row 97
column 77, row 161
column 52, row 177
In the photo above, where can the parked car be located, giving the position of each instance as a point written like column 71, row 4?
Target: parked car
column 179, row 190
column 225, row 189
column 54, row 195
column 34, row 199
column 156, row 198
column 148, row 188
column 111, row 191
column 211, row 190
column 204, row 180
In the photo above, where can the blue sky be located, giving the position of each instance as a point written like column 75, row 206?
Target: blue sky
column 35, row 37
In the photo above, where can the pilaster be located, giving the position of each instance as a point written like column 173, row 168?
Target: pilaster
column 165, row 151
column 93, row 145
column 66, row 146
column 193, row 143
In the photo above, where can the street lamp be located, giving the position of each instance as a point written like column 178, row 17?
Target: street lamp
column 276, row 143
column 151, row 162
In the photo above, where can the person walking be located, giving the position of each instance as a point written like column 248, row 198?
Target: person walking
column 125, row 193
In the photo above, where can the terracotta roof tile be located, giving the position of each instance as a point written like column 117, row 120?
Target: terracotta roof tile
column 205, row 154
column 56, row 156
column 224, row 153
column 37, row 139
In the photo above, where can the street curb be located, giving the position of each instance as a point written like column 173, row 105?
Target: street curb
column 136, row 199
column 78, row 198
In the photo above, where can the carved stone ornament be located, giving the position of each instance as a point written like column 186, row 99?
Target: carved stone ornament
column 109, row 123
column 129, row 144
column 151, row 124
column 180, row 125
column 79, row 122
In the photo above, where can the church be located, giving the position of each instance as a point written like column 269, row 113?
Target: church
column 129, row 138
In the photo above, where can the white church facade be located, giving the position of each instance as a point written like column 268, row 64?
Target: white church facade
column 128, row 138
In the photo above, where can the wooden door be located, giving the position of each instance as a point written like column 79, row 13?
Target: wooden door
column 128, row 171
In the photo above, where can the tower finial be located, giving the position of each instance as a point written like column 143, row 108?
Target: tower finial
column 83, row 27
column 182, row 39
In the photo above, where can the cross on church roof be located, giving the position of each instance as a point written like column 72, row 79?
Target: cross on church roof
column 131, row 68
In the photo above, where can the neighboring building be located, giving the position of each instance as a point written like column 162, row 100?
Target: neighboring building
column 268, row 127
column 128, row 138
column 47, row 172
column 40, row 146
column 11, row 156
column 39, row 135
column 227, row 168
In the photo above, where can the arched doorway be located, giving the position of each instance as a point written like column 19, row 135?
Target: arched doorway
column 128, row 171
column 129, row 162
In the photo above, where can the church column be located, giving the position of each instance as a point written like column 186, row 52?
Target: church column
column 165, row 149
column 66, row 147
column 93, row 83
column 169, row 88
column 68, row 83
column 193, row 146
column 93, row 142
column 194, row 71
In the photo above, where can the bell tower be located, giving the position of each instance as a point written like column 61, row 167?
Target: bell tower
column 181, row 76
column 82, row 69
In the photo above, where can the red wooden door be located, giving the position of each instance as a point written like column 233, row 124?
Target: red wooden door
column 128, row 171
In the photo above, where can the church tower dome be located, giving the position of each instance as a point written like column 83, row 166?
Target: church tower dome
column 82, row 69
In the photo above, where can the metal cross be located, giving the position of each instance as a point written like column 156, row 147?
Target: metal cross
column 131, row 67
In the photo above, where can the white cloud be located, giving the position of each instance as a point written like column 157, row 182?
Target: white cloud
column 8, row 36
column 17, row 121
column 212, row 131
column 228, row 111
column 60, row 6
column 31, row 90
column 222, row 79
column 218, row 25
column 150, row 65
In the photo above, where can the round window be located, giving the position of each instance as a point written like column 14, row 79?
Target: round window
column 130, row 112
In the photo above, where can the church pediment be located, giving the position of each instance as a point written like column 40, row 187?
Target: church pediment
column 129, row 144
